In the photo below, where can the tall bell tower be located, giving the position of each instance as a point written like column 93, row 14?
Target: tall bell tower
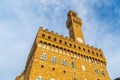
column 74, row 25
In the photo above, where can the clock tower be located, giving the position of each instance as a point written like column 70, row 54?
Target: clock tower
column 74, row 25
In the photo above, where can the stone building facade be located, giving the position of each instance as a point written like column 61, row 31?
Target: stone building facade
column 55, row 57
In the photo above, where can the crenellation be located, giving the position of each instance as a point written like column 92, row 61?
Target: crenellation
column 41, row 28
column 92, row 47
column 52, row 32
column 61, row 36
column 96, row 48
column 75, row 45
column 66, row 37
column 57, row 34
column 46, row 30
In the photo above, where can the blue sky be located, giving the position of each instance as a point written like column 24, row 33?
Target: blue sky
column 21, row 19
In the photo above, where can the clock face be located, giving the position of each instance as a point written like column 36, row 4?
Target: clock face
column 79, row 40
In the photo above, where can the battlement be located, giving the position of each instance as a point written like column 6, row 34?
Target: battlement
column 67, row 38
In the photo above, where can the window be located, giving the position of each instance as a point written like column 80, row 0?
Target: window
column 53, row 69
column 56, row 49
column 55, row 39
column 60, row 50
column 44, row 45
column 64, row 62
column 97, row 54
column 65, row 43
column 54, row 59
column 64, row 51
column 60, row 41
column 43, row 35
column 40, row 44
column 92, row 52
column 70, row 45
column 98, row 62
column 42, row 66
column 79, row 47
column 101, row 55
column 49, row 37
column 96, row 71
column 48, row 46
column 39, row 78
column 64, row 71
column 68, row 52
column 83, row 49
column 72, row 64
column 88, row 51
column 43, row 56
column 53, row 48
column 74, row 46
column 102, row 72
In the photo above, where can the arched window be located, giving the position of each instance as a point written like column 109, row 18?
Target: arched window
column 65, row 43
column 75, row 54
column 56, row 49
column 44, row 45
column 64, row 63
column 48, row 46
column 74, row 46
column 101, row 55
column 83, row 49
column 71, row 54
column 68, row 52
column 92, row 60
column 88, row 51
column 79, row 47
column 49, row 37
column 39, row 78
column 55, row 39
column 60, row 50
column 43, row 35
column 87, row 59
column 60, row 41
column 54, row 59
column 93, row 52
column 43, row 56
column 40, row 44
column 97, row 54
column 78, row 55
column 70, row 45
column 72, row 64
column 53, row 48
column 64, row 51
